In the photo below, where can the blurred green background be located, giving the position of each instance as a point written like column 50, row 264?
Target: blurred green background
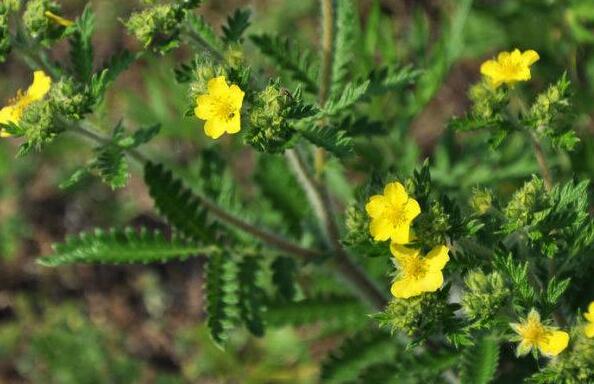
column 143, row 324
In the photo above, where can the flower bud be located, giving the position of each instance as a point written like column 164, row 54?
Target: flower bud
column 38, row 123
column 269, row 129
column 481, row 200
column 70, row 100
column 157, row 27
column 487, row 101
column 204, row 70
column 524, row 203
column 4, row 33
column 416, row 316
column 485, row 295
column 38, row 24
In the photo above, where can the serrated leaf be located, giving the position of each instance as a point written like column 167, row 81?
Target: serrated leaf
column 351, row 94
column 297, row 62
column 251, row 295
column 329, row 138
column 112, row 166
column 221, row 290
column 479, row 362
column 347, row 32
column 236, row 26
column 81, row 48
column 182, row 209
column 343, row 310
column 139, row 137
column 121, row 246
column 284, row 269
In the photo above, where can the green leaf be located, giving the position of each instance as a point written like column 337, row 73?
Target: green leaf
column 391, row 78
column 221, row 296
column 342, row 310
column 236, row 26
column 182, row 209
column 284, row 269
column 299, row 63
column 351, row 94
column 121, row 246
column 251, row 295
column 347, row 32
column 81, row 48
column 329, row 138
column 203, row 31
column 139, row 137
column 117, row 64
column 112, row 166
column 479, row 362
column 357, row 352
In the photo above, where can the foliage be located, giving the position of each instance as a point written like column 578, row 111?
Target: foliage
column 282, row 235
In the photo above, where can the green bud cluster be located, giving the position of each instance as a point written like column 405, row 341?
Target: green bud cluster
column 481, row 200
column 520, row 210
column 417, row 316
column 38, row 24
column 549, row 115
column 269, row 128
column 4, row 33
column 38, row 123
column 204, row 70
column 487, row 102
column 12, row 5
column 484, row 297
column 156, row 27
column 431, row 227
column 70, row 99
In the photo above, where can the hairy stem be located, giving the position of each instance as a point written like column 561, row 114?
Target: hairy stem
column 325, row 72
column 265, row 236
column 542, row 162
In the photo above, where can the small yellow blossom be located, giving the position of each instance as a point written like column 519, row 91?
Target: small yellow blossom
column 418, row 274
column 533, row 334
column 220, row 107
column 589, row 328
column 391, row 214
column 510, row 67
column 13, row 112
column 58, row 19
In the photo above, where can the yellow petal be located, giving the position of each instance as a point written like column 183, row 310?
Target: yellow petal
column 400, row 234
column 530, row 57
column 235, row 95
column 206, row 107
column 411, row 209
column 380, row 229
column 523, row 348
column 7, row 115
column 589, row 330
column 554, row 343
column 533, row 316
column 217, row 86
column 214, row 128
column 233, row 125
column 437, row 258
column 395, row 193
column 503, row 56
column 405, row 288
column 376, row 206
column 490, row 68
column 589, row 315
column 401, row 253
column 40, row 87
column 432, row 281
column 58, row 19
column 591, row 307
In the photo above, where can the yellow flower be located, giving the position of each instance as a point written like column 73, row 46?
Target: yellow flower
column 58, row 19
column 510, row 67
column 220, row 107
column 533, row 334
column 418, row 274
column 589, row 328
column 13, row 112
column 391, row 214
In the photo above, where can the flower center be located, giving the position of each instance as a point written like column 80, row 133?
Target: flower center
column 225, row 111
column 396, row 215
column 414, row 267
column 534, row 332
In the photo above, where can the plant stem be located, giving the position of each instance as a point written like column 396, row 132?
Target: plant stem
column 542, row 162
column 265, row 236
column 325, row 72
column 347, row 270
